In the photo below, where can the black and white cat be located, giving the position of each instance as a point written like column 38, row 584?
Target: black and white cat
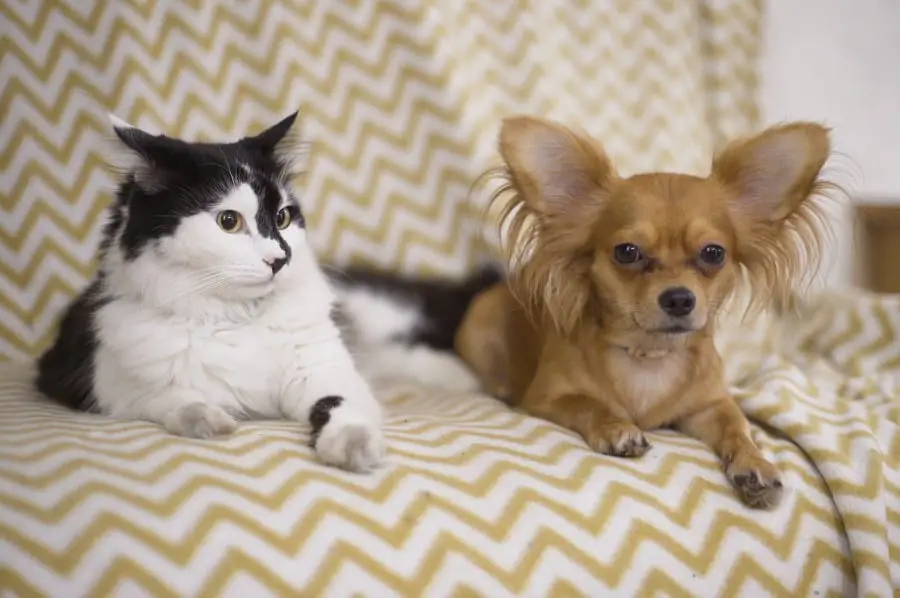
column 209, row 305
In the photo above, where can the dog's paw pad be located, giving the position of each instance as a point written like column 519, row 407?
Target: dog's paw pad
column 759, row 488
column 621, row 440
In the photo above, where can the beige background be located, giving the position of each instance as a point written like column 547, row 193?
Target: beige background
column 401, row 101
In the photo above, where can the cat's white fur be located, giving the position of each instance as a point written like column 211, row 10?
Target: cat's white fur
column 377, row 319
column 200, row 334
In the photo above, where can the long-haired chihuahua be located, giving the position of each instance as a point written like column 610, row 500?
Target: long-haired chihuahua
column 605, row 324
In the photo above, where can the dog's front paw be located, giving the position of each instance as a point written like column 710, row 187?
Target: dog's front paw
column 345, row 437
column 200, row 420
column 619, row 440
column 757, row 481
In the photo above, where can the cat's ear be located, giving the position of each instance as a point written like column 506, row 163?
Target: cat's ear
column 282, row 141
column 131, row 137
column 134, row 152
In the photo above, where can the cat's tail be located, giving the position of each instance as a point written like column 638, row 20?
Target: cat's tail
column 404, row 326
column 384, row 308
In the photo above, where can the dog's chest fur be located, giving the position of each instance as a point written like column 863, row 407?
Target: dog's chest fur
column 643, row 384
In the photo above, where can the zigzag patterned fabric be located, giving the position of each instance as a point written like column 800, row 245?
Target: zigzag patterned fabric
column 402, row 101
column 827, row 379
column 477, row 500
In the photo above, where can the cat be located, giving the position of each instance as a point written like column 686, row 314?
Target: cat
column 209, row 305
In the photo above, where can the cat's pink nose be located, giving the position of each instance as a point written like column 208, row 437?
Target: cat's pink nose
column 276, row 263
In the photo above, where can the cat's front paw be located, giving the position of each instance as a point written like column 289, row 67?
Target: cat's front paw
column 346, row 437
column 200, row 420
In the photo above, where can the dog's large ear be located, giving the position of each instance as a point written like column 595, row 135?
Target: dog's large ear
column 561, row 179
column 773, row 173
column 560, row 173
column 772, row 181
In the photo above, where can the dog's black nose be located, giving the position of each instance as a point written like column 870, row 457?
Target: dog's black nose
column 677, row 302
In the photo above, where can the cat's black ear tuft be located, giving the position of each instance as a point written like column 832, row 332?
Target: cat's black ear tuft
column 268, row 140
column 282, row 142
column 133, row 138
column 130, row 152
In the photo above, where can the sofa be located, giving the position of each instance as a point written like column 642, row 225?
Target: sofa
column 401, row 102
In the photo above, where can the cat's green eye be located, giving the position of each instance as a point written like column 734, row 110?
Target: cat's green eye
column 283, row 218
column 230, row 221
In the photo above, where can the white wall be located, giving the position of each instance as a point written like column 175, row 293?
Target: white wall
column 838, row 61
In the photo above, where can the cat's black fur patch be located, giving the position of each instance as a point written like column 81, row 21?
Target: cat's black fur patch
column 177, row 179
column 66, row 369
column 186, row 178
column 441, row 302
column 266, row 219
column 320, row 415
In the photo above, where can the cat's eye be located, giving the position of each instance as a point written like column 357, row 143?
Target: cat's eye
column 283, row 218
column 627, row 253
column 712, row 254
column 230, row 221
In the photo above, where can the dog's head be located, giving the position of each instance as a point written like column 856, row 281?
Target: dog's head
column 653, row 256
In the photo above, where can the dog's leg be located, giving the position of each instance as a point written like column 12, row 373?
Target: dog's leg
column 605, row 427
column 723, row 427
column 481, row 340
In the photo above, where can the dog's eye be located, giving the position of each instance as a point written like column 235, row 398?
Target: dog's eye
column 626, row 253
column 712, row 254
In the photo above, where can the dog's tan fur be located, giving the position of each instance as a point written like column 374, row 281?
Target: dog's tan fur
column 576, row 337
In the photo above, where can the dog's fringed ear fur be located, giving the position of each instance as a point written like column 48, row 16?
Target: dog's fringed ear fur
column 773, row 184
column 559, row 179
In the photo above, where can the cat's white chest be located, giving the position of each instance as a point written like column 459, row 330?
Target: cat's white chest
column 238, row 365
column 249, row 359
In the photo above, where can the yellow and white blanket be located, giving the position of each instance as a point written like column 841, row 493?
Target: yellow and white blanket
column 401, row 101
column 477, row 499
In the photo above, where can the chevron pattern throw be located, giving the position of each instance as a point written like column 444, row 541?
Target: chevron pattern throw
column 401, row 101
column 477, row 500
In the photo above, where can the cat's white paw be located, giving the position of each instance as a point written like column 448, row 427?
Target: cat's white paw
column 346, row 437
column 200, row 420
column 352, row 446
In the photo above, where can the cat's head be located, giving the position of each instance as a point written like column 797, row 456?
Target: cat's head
column 217, row 219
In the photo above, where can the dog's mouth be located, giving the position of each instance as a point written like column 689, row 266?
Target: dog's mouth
column 675, row 329
column 669, row 329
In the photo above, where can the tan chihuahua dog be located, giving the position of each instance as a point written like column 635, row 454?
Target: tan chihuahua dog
column 605, row 325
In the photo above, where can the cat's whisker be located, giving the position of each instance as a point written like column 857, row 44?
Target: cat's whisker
column 197, row 289
column 205, row 279
column 194, row 279
column 197, row 286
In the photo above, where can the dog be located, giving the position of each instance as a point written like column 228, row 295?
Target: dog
column 606, row 321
